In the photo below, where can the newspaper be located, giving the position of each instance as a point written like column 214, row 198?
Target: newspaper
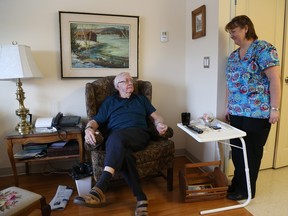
column 61, row 198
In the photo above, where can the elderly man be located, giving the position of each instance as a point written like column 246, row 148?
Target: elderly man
column 124, row 114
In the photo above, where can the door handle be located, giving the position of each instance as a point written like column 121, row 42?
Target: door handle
column 286, row 80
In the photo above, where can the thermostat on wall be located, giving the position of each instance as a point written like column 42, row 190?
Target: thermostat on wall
column 164, row 36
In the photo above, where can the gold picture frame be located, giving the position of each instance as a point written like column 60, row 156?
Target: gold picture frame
column 199, row 22
column 98, row 45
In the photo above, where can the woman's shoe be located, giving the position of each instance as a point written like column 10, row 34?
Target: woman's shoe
column 236, row 196
column 231, row 189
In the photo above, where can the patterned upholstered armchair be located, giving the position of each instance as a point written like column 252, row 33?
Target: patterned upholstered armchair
column 156, row 158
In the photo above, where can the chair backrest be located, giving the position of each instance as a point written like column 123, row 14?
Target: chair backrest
column 97, row 91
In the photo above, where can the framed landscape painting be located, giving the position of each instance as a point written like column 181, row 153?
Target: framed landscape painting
column 98, row 45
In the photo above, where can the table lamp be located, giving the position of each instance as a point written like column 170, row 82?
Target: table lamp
column 16, row 62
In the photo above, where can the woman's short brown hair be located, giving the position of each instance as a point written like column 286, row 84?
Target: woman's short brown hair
column 242, row 21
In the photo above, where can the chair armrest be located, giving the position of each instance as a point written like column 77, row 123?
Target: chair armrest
column 99, row 141
column 156, row 136
column 169, row 133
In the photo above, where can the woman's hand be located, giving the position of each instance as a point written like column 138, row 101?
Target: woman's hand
column 227, row 117
column 161, row 128
column 274, row 116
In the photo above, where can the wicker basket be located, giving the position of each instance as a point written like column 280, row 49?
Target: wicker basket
column 198, row 185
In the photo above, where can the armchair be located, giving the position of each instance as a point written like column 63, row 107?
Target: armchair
column 152, row 161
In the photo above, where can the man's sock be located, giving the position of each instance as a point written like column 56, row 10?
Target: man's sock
column 141, row 197
column 104, row 180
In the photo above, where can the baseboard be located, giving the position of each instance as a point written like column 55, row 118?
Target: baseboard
column 63, row 166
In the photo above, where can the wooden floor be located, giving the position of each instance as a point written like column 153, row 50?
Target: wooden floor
column 120, row 199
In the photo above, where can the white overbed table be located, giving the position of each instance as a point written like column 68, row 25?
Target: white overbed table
column 226, row 132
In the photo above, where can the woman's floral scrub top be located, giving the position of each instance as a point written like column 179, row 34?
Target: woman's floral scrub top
column 248, row 86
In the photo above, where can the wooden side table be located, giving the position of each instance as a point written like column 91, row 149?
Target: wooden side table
column 15, row 138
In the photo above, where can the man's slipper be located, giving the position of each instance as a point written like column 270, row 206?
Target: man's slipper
column 95, row 199
column 141, row 208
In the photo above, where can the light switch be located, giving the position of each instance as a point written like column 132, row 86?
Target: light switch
column 206, row 62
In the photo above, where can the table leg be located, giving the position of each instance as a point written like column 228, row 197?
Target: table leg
column 27, row 168
column 248, row 186
column 80, row 143
column 9, row 146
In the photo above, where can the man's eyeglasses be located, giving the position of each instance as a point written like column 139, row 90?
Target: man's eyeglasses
column 127, row 81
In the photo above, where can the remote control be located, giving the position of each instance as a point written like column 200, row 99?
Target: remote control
column 196, row 129
column 215, row 127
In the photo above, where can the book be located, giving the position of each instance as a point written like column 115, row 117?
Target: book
column 199, row 187
column 35, row 146
column 27, row 154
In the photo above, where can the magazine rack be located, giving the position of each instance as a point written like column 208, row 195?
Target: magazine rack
column 196, row 184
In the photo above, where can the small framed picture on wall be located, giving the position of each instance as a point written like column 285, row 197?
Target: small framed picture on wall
column 199, row 22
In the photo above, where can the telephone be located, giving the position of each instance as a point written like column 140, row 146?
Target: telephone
column 65, row 121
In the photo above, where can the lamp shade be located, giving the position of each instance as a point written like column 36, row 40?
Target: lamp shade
column 16, row 61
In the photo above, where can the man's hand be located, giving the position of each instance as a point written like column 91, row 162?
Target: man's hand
column 91, row 132
column 90, row 136
column 161, row 128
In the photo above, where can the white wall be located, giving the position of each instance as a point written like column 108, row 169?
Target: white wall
column 206, row 86
column 180, row 83
column 35, row 23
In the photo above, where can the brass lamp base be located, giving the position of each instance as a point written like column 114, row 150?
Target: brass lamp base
column 23, row 126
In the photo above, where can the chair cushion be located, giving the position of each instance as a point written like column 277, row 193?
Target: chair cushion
column 158, row 156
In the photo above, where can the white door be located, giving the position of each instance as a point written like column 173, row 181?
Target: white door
column 281, row 151
column 268, row 19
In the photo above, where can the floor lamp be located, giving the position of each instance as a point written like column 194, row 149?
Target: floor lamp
column 16, row 62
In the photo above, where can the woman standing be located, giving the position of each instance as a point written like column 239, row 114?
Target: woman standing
column 254, row 92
